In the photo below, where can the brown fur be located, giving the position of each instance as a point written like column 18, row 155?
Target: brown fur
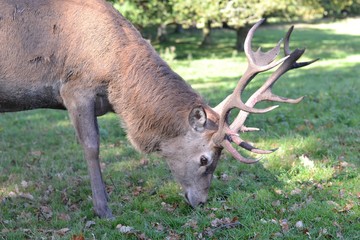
column 152, row 100
column 85, row 57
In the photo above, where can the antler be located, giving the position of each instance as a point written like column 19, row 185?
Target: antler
column 257, row 62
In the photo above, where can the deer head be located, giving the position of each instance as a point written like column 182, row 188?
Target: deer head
column 211, row 130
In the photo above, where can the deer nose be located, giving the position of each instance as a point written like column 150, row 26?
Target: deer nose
column 193, row 204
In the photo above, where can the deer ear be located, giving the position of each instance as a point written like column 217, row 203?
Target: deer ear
column 197, row 119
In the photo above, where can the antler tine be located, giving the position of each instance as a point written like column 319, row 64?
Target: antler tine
column 264, row 92
column 287, row 51
column 257, row 62
column 227, row 145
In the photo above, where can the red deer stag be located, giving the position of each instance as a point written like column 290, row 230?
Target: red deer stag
column 85, row 57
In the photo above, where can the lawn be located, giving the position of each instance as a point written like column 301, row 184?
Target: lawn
column 308, row 188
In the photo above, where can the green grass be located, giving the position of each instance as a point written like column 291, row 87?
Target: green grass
column 313, row 177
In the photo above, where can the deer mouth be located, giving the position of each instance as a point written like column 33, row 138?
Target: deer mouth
column 194, row 203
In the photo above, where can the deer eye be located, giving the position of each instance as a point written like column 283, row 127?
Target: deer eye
column 203, row 161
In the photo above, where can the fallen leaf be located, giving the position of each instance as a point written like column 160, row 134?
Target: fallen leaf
column 224, row 177
column 263, row 221
column 46, row 212
column 192, row 224
column 62, row 231
column 284, row 225
column 278, row 191
column 89, row 224
column 347, row 207
column 306, row 162
column 295, row 207
column 295, row 191
column 299, row 225
column 124, row 229
column 144, row 161
column 169, row 207
column 342, row 193
column 78, row 237
column 278, row 234
column 319, row 186
column 276, row 203
column 333, row 203
column 137, row 191
column 24, row 184
column 12, row 194
column 36, row 153
column 64, row 217
column 27, row 196
column 158, row 227
column 339, row 235
column 173, row 236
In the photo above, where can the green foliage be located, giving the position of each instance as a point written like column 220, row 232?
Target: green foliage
column 308, row 188
column 145, row 13
column 239, row 13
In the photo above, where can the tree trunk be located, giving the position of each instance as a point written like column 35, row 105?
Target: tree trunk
column 240, row 37
column 161, row 33
column 178, row 28
column 207, row 40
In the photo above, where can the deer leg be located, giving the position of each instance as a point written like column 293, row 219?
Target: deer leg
column 82, row 114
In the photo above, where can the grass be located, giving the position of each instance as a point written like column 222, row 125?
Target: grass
column 312, row 178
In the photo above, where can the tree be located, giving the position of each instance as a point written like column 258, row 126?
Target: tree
column 239, row 15
column 201, row 13
column 147, row 13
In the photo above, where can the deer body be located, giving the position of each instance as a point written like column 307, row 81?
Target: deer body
column 85, row 57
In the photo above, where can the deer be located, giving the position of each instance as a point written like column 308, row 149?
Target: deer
column 86, row 58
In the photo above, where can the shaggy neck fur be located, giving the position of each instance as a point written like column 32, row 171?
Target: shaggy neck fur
column 153, row 101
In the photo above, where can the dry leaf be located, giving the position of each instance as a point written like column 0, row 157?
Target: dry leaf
column 299, row 225
column 278, row 191
column 333, row 203
column 306, row 162
column 137, row 191
column 284, row 225
column 64, row 217
column 192, row 224
column 62, row 231
column 78, row 237
column 347, row 207
column 26, row 196
column 46, row 212
column 173, row 236
column 295, row 207
column 276, row 203
column 36, row 153
column 144, row 161
column 24, row 184
column 124, row 229
column 295, row 191
column 278, row 234
column 89, row 224
column 158, row 227
column 169, row 207
column 341, row 193
column 224, row 177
